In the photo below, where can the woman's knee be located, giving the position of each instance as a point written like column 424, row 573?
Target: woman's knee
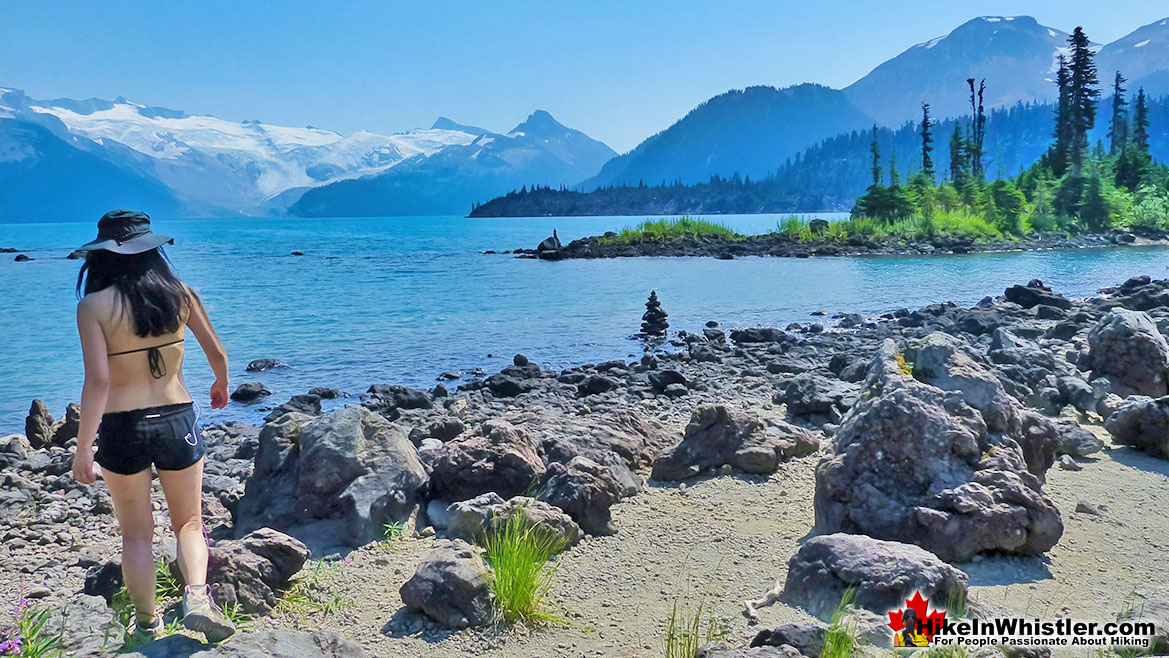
column 193, row 520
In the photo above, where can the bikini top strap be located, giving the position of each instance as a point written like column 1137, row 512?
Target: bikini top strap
column 153, row 358
column 146, row 349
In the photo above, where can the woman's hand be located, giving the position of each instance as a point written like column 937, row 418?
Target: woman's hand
column 83, row 466
column 219, row 394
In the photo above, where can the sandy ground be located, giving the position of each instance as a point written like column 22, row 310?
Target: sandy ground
column 720, row 540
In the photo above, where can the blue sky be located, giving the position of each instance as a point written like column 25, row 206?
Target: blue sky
column 620, row 71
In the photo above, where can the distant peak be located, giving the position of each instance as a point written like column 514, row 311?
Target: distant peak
column 539, row 122
column 443, row 123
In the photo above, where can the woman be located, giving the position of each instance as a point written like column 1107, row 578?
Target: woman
column 132, row 318
column 910, row 635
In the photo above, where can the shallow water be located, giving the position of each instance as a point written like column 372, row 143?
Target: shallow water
column 402, row 299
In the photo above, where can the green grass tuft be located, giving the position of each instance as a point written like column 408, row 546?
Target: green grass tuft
column 840, row 639
column 671, row 229
column 520, row 574
column 687, row 631
column 312, row 593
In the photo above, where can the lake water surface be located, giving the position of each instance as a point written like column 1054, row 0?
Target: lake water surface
column 402, row 299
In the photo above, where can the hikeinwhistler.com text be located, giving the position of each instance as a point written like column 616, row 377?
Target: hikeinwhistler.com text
column 1016, row 631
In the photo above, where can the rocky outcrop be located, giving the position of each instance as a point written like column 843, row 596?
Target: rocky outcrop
column 882, row 574
column 250, row 392
column 342, row 476
column 718, row 436
column 496, row 456
column 1142, row 423
column 916, row 464
column 1036, row 294
column 38, row 424
column 450, row 587
column 1126, row 348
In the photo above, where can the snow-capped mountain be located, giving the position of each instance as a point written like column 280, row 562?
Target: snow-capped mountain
column 1015, row 54
column 1142, row 56
column 539, row 151
column 235, row 166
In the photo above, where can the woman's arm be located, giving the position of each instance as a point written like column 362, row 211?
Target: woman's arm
column 93, row 393
column 200, row 325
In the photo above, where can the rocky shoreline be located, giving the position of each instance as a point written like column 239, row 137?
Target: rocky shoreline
column 783, row 245
column 961, row 444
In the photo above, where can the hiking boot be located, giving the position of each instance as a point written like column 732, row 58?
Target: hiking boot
column 148, row 631
column 200, row 614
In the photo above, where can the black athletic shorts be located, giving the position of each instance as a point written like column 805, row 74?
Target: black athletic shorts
column 168, row 437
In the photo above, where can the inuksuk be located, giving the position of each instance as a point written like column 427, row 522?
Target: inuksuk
column 653, row 323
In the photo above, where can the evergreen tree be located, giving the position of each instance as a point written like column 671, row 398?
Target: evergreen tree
column 977, row 129
column 1140, row 122
column 927, row 141
column 1095, row 210
column 957, row 156
column 894, row 175
column 1118, row 127
column 1083, row 97
column 876, row 151
column 1057, row 156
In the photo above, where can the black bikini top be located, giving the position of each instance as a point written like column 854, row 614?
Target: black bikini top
column 153, row 357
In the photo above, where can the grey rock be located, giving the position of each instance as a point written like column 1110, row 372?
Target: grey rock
column 808, row 639
column 449, row 586
column 249, row 572
column 943, row 361
column 351, row 469
column 1126, row 347
column 483, row 515
column 718, row 436
column 1076, row 441
column 1143, row 423
column 883, row 574
column 260, row 365
column 722, row 651
column 280, row 643
column 38, row 425
column 496, row 456
column 808, row 394
column 585, row 490
column 304, row 403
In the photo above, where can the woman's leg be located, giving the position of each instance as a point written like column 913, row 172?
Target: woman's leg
column 184, row 500
column 131, row 496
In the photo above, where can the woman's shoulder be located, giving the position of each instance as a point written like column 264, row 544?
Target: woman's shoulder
column 98, row 299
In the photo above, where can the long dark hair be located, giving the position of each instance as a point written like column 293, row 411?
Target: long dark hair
column 156, row 297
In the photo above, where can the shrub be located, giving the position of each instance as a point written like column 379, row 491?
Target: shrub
column 669, row 229
column 520, row 574
column 840, row 638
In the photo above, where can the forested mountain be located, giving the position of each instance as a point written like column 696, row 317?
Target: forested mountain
column 749, row 131
column 828, row 176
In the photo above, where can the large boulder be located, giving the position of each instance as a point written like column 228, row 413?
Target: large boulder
column 718, row 436
column 1126, row 347
column 343, row 476
column 1143, row 423
column 496, row 456
column 67, row 428
column 305, row 403
column 389, row 400
column 916, row 464
column 450, row 586
column 585, row 490
column 809, row 394
column 484, row 515
column 882, row 574
column 249, row 572
column 630, row 436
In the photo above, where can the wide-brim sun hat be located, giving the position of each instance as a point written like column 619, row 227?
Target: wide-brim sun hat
column 126, row 232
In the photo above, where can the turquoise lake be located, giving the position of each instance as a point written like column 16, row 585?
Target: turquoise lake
column 402, row 299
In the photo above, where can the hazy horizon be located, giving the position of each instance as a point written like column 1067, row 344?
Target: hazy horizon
column 618, row 73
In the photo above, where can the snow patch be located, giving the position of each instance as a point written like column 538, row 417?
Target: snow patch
column 1009, row 18
column 1052, row 33
column 992, row 19
column 1141, row 44
column 933, row 42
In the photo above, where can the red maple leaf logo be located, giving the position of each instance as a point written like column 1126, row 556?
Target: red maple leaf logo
column 931, row 621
